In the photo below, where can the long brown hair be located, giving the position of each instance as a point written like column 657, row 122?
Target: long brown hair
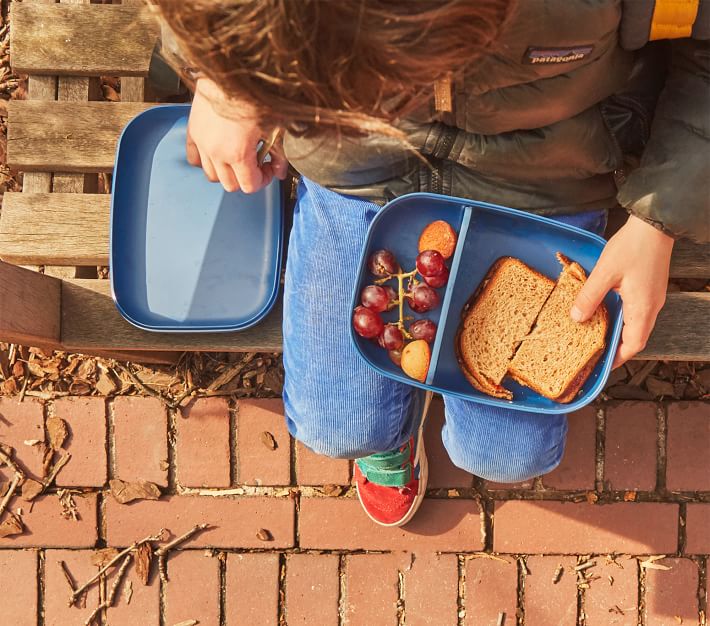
column 350, row 64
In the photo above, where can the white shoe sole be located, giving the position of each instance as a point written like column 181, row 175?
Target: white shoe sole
column 423, row 471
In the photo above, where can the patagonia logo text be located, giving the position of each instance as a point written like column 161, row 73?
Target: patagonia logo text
column 538, row 56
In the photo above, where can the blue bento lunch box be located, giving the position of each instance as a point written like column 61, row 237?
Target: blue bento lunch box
column 485, row 233
column 186, row 256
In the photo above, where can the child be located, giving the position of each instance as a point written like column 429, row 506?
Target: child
column 543, row 106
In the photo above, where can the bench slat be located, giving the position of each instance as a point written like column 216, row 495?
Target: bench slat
column 88, row 40
column 66, row 136
column 72, row 229
column 55, row 229
column 90, row 320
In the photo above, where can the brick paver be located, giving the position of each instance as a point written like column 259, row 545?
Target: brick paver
column 316, row 469
column 577, row 468
column 672, row 595
column 696, row 528
column 18, row 582
column 86, row 419
column 192, row 592
column 442, row 472
column 260, row 421
column 203, row 443
column 431, row 589
column 563, row 527
column 144, row 605
column 312, row 589
column 688, row 464
column 491, row 589
column 612, row 599
column 46, row 527
column 252, row 589
column 141, row 439
column 630, row 460
column 550, row 591
column 57, row 591
column 372, row 585
column 235, row 522
column 19, row 422
column 340, row 523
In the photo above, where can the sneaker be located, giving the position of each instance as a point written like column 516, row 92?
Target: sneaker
column 390, row 485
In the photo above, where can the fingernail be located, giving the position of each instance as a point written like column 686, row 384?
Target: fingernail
column 576, row 314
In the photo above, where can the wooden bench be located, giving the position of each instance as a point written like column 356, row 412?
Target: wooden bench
column 60, row 140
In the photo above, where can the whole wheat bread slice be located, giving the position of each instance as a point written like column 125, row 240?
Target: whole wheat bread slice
column 495, row 319
column 558, row 355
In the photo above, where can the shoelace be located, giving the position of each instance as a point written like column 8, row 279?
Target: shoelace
column 389, row 469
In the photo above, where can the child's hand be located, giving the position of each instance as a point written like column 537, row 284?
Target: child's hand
column 225, row 148
column 635, row 263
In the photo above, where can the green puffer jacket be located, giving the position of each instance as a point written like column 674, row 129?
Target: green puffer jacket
column 571, row 111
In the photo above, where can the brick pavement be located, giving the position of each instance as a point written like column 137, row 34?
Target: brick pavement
column 288, row 543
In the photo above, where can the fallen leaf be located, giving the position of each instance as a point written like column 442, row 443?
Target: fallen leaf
column 628, row 392
column 110, row 93
column 143, row 557
column 332, row 490
column 164, row 465
column 591, row 497
column 630, row 496
column 57, row 429
column 31, row 489
column 268, row 440
column 660, row 387
column 102, row 556
column 124, row 492
column 106, row 385
column 264, row 535
column 18, row 369
column 11, row 526
column 9, row 387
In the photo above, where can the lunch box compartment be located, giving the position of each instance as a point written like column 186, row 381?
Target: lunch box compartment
column 485, row 233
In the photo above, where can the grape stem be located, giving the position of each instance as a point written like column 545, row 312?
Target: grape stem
column 400, row 276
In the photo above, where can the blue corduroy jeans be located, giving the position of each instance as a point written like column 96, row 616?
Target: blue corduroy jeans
column 337, row 405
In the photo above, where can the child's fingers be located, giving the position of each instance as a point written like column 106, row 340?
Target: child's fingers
column 637, row 329
column 249, row 175
column 590, row 296
column 226, row 176
column 208, row 168
column 193, row 154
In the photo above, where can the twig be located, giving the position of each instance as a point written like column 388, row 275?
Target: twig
column 151, row 392
column 23, row 391
column 95, row 577
column 112, row 592
column 161, row 569
column 639, row 377
column 583, row 566
column 163, row 549
column 11, row 464
column 11, row 490
column 55, row 469
column 67, row 575
column 231, row 373
column 47, row 395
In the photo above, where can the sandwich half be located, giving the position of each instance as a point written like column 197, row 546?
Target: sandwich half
column 517, row 324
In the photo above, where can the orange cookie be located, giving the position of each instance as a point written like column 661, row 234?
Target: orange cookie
column 415, row 359
column 439, row 236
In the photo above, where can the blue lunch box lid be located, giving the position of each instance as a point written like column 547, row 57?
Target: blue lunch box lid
column 186, row 256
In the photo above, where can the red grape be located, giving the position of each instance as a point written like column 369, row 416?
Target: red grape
column 392, row 295
column 422, row 299
column 391, row 337
column 423, row 329
column 439, row 280
column 382, row 263
column 396, row 357
column 367, row 323
column 430, row 263
column 375, row 298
